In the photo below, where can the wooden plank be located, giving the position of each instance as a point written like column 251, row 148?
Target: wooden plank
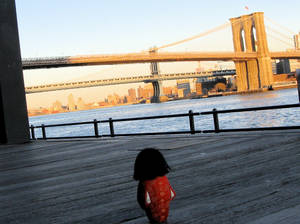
column 218, row 179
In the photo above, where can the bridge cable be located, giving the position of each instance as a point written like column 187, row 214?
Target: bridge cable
column 285, row 42
column 279, row 33
column 223, row 26
column 196, row 36
column 281, row 26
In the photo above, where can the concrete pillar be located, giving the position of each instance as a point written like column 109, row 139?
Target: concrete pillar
column 14, row 126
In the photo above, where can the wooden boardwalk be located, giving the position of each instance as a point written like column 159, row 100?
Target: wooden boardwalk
column 241, row 178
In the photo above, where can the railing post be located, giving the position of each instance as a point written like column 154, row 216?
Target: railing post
column 192, row 124
column 111, row 127
column 44, row 131
column 216, row 120
column 96, row 128
column 298, row 82
column 32, row 132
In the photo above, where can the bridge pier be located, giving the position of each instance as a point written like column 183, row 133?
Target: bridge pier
column 14, row 126
column 157, row 85
column 157, row 89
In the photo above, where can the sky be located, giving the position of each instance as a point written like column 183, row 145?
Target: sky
column 75, row 27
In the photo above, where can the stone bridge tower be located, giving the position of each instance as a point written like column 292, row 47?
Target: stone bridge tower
column 249, row 35
column 157, row 85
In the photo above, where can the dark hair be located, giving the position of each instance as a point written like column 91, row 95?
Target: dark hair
column 149, row 164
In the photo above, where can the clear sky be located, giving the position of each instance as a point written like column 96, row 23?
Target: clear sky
column 76, row 27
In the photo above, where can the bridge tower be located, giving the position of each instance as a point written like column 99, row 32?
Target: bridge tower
column 157, row 85
column 249, row 35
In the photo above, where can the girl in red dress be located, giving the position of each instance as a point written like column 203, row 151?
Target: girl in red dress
column 154, row 190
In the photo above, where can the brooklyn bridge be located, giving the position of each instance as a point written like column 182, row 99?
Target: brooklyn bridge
column 251, row 56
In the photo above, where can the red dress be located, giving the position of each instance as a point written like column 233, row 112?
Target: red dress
column 157, row 196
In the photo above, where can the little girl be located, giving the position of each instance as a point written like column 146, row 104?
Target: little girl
column 154, row 190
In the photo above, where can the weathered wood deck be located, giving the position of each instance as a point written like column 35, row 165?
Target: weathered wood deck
column 242, row 178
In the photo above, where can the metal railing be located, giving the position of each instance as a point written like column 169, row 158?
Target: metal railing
column 192, row 130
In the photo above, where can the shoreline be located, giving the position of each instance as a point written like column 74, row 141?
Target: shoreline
column 275, row 87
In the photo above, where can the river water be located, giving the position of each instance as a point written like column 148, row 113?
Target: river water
column 269, row 118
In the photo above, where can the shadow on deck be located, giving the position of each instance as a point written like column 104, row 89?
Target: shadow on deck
column 219, row 178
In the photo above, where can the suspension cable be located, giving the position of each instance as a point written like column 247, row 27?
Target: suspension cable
column 283, row 27
column 285, row 42
column 223, row 26
column 281, row 34
column 196, row 36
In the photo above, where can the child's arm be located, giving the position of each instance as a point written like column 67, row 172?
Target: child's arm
column 173, row 194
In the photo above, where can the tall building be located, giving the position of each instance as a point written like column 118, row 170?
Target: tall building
column 297, row 41
column 146, row 92
column 56, row 107
column 204, row 85
column 185, row 85
column 71, row 103
column 199, row 68
column 113, row 99
column 283, row 66
column 80, row 104
column 131, row 96
column 140, row 92
column 199, row 89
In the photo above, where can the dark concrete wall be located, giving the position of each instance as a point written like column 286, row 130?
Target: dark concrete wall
column 13, row 110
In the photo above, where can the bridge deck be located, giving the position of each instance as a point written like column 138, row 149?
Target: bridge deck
column 225, row 178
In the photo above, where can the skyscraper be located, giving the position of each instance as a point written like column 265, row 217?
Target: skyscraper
column 80, row 104
column 185, row 85
column 297, row 41
column 131, row 95
column 71, row 103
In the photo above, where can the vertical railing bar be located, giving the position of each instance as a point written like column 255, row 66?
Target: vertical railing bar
column 298, row 82
column 192, row 123
column 96, row 128
column 216, row 120
column 111, row 127
column 44, row 131
column 32, row 132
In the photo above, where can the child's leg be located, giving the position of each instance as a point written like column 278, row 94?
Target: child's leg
column 152, row 221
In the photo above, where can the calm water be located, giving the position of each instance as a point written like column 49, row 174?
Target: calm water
column 234, row 120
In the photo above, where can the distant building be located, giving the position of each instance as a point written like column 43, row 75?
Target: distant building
column 181, row 93
column 184, row 86
column 199, row 68
column 297, row 41
column 204, row 85
column 80, row 104
column 140, row 92
column 56, row 107
column 113, row 99
column 283, row 66
column 71, row 103
column 294, row 64
column 131, row 96
column 199, row 89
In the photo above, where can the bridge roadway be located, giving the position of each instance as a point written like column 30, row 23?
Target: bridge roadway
column 225, row 178
column 125, row 80
column 146, row 57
